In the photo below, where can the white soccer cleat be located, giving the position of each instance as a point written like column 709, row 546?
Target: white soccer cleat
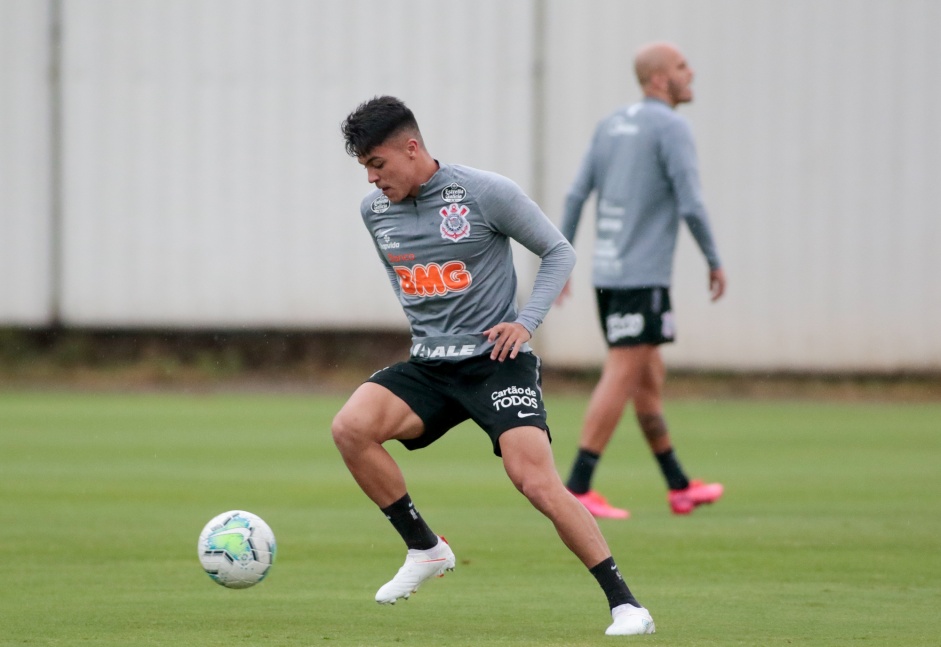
column 420, row 565
column 630, row 621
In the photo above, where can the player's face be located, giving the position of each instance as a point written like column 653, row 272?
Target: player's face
column 391, row 167
column 679, row 80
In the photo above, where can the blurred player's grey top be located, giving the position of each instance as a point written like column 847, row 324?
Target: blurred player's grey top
column 642, row 163
column 448, row 256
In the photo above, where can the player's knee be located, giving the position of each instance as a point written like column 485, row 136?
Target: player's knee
column 339, row 430
column 346, row 430
column 622, row 374
column 535, row 487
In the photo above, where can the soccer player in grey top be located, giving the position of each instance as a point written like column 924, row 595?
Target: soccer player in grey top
column 642, row 164
column 443, row 235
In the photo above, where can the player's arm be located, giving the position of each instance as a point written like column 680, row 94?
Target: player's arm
column 679, row 153
column 582, row 186
column 518, row 217
column 584, row 183
column 716, row 283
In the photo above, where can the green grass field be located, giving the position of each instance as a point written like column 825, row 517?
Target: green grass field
column 829, row 533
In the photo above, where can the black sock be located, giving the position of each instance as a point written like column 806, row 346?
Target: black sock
column 411, row 526
column 672, row 472
column 613, row 585
column 583, row 469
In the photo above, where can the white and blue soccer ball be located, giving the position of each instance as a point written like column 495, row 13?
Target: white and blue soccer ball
column 237, row 549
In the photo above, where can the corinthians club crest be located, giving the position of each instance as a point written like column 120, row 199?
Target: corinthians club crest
column 454, row 227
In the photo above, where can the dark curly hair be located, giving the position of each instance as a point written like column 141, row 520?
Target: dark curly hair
column 375, row 121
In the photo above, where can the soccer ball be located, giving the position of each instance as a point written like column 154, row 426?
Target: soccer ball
column 236, row 549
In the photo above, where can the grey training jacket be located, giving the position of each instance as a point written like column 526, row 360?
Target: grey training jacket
column 642, row 163
column 447, row 253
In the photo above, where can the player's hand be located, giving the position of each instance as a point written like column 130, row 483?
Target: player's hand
column 564, row 294
column 716, row 283
column 507, row 337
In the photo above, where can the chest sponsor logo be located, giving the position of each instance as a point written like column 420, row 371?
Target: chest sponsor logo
column 454, row 227
column 607, row 208
column 620, row 126
column 380, row 204
column 433, row 279
column 623, row 129
column 454, row 192
column 400, row 258
column 629, row 325
column 385, row 241
column 516, row 397
column 434, row 352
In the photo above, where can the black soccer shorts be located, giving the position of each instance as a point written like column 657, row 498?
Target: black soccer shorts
column 635, row 317
column 496, row 395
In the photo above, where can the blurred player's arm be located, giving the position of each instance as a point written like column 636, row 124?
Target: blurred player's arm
column 582, row 187
column 679, row 151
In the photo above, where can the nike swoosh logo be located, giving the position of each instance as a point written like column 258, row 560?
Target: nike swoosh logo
column 526, row 415
column 380, row 234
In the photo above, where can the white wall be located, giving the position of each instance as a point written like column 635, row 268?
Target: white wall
column 819, row 148
column 25, row 164
column 204, row 181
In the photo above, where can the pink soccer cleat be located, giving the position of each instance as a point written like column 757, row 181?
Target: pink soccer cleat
column 698, row 493
column 599, row 507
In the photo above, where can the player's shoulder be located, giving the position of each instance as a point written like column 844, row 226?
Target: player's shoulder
column 479, row 182
column 646, row 115
column 663, row 116
column 471, row 175
column 663, row 123
column 658, row 112
column 620, row 113
column 611, row 120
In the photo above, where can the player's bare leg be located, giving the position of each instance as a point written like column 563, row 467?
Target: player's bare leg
column 684, row 494
column 527, row 458
column 372, row 416
column 620, row 380
column 619, row 383
column 648, row 402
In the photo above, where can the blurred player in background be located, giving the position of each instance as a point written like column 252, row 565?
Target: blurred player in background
column 642, row 164
column 443, row 234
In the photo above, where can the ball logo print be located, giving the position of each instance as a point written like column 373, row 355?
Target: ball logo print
column 237, row 549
